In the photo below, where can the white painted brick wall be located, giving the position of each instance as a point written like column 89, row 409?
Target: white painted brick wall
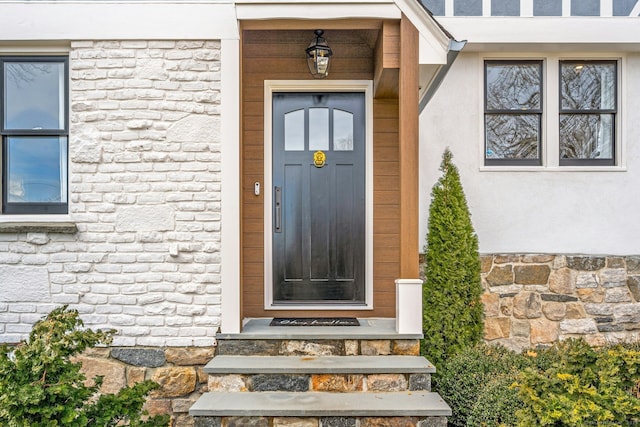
column 145, row 195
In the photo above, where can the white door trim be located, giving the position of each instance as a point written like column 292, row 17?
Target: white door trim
column 231, row 186
column 271, row 86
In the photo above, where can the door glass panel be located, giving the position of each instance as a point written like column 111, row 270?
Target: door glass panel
column 342, row 130
column 318, row 129
column 294, row 131
column 34, row 95
column 37, row 169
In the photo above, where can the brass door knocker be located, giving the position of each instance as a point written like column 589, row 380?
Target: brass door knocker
column 319, row 159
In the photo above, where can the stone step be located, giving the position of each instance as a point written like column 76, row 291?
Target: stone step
column 320, row 404
column 369, row 329
column 319, row 365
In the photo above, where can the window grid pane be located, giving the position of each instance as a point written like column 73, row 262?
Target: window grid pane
column 34, row 95
column 318, row 129
column 294, row 131
column 36, row 169
column 342, row 130
column 586, row 136
column 511, row 136
column 588, row 86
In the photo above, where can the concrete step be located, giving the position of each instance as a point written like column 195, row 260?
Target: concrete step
column 319, row 365
column 320, row 404
column 369, row 329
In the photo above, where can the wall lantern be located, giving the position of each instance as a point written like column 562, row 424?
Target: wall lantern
column 319, row 56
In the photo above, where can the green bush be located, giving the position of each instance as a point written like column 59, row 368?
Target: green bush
column 478, row 383
column 585, row 387
column 40, row 386
column 497, row 403
column 481, row 373
column 452, row 309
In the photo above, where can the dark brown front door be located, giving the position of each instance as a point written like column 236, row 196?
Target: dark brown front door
column 318, row 198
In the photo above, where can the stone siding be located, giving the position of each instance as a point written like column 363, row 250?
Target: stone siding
column 533, row 300
column 363, row 382
column 320, row 422
column 178, row 371
column 144, row 193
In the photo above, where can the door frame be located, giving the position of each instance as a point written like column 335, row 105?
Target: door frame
column 271, row 86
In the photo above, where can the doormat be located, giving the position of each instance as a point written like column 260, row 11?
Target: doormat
column 314, row 321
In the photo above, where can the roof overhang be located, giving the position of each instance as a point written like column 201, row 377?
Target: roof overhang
column 315, row 9
column 63, row 20
column 437, row 49
column 535, row 34
column 66, row 20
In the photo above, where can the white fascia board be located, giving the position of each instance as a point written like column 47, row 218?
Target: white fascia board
column 117, row 20
column 487, row 31
column 433, row 41
column 431, row 54
column 262, row 10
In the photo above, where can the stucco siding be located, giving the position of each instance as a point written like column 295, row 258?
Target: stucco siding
column 545, row 210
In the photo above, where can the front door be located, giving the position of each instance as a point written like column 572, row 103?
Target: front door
column 318, row 198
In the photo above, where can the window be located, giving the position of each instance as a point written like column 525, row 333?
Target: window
column 513, row 112
column 587, row 112
column 552, row 113
column 34, row 130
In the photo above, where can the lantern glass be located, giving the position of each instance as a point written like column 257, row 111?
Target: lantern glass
column 319, row 56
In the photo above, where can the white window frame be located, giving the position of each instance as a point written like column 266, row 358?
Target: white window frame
column 550, row 131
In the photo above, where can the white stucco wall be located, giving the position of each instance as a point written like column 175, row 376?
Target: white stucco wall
column 542, row 211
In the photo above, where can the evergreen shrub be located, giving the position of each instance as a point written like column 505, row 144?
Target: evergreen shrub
column 452, row 309
column 479, row 375
column 41, row 386
column 585, row 387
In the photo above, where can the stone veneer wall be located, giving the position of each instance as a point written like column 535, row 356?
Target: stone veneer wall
column 144, row 160
column 178, row 370
column 533, row 300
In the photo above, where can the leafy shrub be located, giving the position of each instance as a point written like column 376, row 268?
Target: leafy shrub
column 586, row 386
column 40, row 386
column 478, row 383
column 480, row 373
column 496, row 404
column 452, row 309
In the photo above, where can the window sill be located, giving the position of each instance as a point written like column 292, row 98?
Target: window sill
column 553, row 169
column 38, row 224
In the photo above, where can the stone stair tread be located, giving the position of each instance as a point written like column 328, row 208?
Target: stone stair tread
column 319, row 364
column 321, row 404
column 369, row 329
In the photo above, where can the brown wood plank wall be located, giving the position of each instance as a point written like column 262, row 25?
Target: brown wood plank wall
column 279, row 55
column 408, row 134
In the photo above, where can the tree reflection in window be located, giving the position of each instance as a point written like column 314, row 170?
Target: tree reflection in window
column 513, row 110
column 587, row 112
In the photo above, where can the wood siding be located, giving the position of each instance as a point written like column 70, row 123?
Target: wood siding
column 279, row 55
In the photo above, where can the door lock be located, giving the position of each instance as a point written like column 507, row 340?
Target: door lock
column 256, row 188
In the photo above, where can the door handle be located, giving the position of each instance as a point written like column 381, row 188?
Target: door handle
column 278, row 209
